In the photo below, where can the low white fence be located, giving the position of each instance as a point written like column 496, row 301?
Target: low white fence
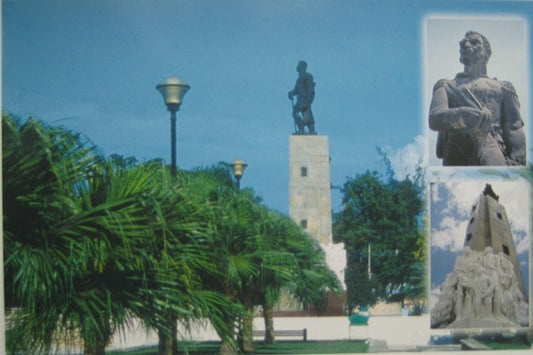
column 395, row 330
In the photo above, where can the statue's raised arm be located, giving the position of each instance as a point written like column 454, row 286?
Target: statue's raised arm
column 304, row 90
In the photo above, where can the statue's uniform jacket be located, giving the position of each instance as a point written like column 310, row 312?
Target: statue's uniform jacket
column 456, row 105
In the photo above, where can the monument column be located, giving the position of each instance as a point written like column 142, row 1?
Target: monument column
column 309, row 185
column 309, row 182
column 486, row 288
column 489, row 227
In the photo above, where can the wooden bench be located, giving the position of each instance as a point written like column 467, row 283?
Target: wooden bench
column 473, row 344
column 284, row 333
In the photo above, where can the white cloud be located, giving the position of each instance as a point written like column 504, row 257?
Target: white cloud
column 522, row 243
column 450, row 234
column 434, row 297
column 435, row 196
column 406, row 159
column 514, row 196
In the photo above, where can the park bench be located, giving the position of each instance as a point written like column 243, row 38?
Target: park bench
column 284, row 333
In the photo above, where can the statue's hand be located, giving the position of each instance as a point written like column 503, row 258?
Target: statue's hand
column 485, row 114
column 482, row 125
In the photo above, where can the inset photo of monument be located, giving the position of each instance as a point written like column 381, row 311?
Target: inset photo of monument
column 480, row 254
column 476, row 90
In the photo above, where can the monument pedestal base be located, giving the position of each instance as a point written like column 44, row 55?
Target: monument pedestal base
column 481, row 323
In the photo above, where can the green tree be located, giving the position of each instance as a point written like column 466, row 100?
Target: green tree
column 65, row 239
column 239, row 257
column 380, row 224
column 91, row 243
column 314, row 279
column 258, row 252
column 281, row 257
column 280, row 265
column 213, row 192
column 187, row 254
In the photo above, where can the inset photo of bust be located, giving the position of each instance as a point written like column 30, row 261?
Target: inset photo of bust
column 476, row 91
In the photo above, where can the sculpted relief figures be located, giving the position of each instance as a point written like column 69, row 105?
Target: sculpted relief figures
column 482, row 291
column 477, row 117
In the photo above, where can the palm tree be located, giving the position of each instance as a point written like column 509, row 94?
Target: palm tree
column 259, row 252
column 92, row 242
column 300, row 269
column 237, row 257
column 228, row 221
column 185, row 257
column 38, row 192
column 74, row 268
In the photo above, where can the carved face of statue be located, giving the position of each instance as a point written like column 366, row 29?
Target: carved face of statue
column 473, row 50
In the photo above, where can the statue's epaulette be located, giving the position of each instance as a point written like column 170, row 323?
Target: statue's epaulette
column 440, row 83
column 508, row 88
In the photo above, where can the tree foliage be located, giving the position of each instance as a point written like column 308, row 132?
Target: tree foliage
column 259, row 253
column 380, row 223
column 92, row 243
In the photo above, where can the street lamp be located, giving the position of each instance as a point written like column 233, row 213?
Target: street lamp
column 238, row 167
column 173, row 90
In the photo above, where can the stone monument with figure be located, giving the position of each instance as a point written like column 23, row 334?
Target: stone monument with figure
column 309, row 174
column 309, row 185
column 477, row 118
column 304, row 90
column 486, row 288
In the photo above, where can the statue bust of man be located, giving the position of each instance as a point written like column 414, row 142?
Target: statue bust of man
column 304, row 89
column 477, row 117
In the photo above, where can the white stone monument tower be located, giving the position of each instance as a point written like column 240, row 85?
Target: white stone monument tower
column 310, row 186
column 489, row 227
column 309, row 183
column 486, row 288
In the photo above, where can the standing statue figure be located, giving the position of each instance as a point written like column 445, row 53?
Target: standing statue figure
column 465, row 269
column 477, row 117
column 304, row 89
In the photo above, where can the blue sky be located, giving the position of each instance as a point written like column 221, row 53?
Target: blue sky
column 92, row 66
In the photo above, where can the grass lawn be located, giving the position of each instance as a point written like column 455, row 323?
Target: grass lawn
column 515, row 344
column 501, row 342
column 281, row 347
column 299, row 347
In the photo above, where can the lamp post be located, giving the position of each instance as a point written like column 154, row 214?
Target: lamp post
column 238, row 167
column 173, row 91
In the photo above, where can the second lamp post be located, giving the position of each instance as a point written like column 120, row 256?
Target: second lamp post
column 173, row 91
column 238, row 167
